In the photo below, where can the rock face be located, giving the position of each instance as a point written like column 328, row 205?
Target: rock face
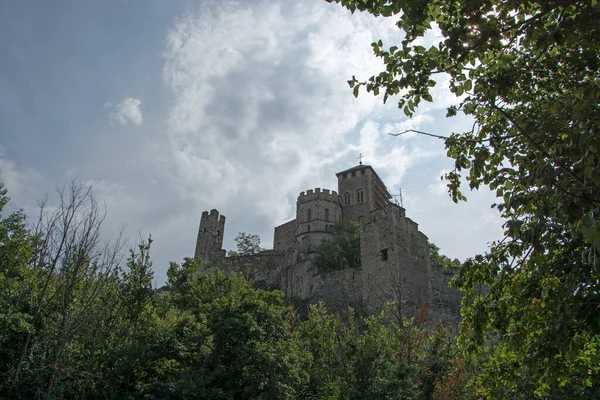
column 395, row 265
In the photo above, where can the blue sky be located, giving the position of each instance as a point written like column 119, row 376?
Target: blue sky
column 172, row 108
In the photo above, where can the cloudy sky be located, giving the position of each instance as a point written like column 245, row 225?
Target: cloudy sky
column 175, row 107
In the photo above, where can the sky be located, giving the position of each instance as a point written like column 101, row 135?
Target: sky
column 170, row 108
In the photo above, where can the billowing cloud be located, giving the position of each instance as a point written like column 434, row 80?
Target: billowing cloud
column 261, row 104
column 16, row 180
column 126, row 112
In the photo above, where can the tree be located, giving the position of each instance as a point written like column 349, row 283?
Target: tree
column 138, row 298
column 71, row 265
column 442, row 261
column 527, row 73
column 247, row 245
column 343, row 250
column 245, row 344
column 16, row 286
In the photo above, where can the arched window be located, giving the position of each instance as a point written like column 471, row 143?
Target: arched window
column 346, row 199
column 309, row 216
column 360, row 196
column 327, row 214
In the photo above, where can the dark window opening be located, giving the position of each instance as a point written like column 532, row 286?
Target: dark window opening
column 309, row 214
column 360, row 196
column 327, row 214
column 362, row 171
column 384, row 254
column 346, row 199
column 309, row 228
column 353, row 173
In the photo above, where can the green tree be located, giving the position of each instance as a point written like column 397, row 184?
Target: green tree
column 243, row 341
column 70, row 267
column 527, row 73
column 343, row 250
column 247, row 245
column 16, row 285
column 441, row 260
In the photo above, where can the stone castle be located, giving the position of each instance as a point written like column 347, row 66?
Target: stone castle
column 394, row 265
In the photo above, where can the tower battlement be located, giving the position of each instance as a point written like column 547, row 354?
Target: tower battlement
column 318, row 194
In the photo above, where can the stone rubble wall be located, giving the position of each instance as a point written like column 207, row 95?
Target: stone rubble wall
column 395, row 262
column 284, row 236
column 445, row 303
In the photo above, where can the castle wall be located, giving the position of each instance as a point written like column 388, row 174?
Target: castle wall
column 338, row 290
column 265, row 268
column 395, row 262
column 298, row 279
column 445, row 302
column 285, row 236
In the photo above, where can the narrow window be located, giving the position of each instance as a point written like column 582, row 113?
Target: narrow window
column 327, row 214
column 353, row 173
column 362, row 171
column 346, row 198
column 384, row 254
column 309, row 228
column 309, row 214
column 360, row 196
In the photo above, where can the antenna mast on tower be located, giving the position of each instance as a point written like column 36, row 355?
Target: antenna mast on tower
column 398, row 196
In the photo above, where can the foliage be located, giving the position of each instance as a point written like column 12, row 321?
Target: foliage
column 203, row 336
column 247, row 245
column 442, row 261
column 343, row 251
column 527, row 73
column 16, row 281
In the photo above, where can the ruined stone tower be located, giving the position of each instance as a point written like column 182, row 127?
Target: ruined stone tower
column 209, row 245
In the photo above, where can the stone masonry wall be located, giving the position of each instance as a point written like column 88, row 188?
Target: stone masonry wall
column 350, row 183
column 395, row 262
column 265, row 269
column 284, row 236
column 445, row 302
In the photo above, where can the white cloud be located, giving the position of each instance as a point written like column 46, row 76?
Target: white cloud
column 126, row 112
column 261, row 104
column 261, row 109
column 16, row 180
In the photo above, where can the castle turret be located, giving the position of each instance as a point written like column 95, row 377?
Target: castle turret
column 361, row 191
column 316, row 211
column 209, row 245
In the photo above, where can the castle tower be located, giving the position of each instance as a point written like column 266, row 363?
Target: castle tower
column 209, row 245
column 361, row 191
column 316, row 211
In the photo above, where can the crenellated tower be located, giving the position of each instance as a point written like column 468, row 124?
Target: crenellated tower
column 316, row 211
column 209, row 245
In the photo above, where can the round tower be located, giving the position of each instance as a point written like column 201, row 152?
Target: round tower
column 316, row 211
